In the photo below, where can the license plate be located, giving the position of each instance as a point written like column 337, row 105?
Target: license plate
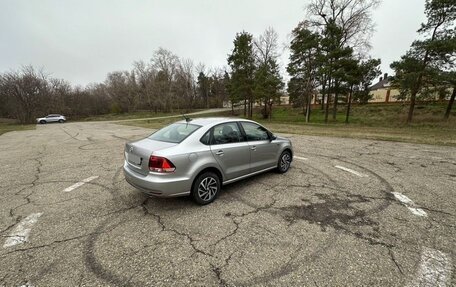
column 134, row 159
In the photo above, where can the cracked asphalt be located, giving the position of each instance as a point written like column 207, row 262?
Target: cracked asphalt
column 314, row 226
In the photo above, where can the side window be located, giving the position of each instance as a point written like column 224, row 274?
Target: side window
column 207, row 136
column 226, row 133
column 254, row 132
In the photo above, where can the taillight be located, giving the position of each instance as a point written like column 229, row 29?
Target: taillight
column 160, row 164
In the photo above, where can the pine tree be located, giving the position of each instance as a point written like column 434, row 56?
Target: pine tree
column 242, row 63
column 302, row 68
column 417, row 66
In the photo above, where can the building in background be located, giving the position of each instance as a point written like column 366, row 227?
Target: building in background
column 382, row 92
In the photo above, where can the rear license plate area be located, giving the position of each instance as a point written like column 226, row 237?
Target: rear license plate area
column 134, row 159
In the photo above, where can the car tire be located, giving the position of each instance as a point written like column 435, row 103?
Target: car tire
column 206, row 188
column 61, row 121
column 42, row 122
column 284, row 162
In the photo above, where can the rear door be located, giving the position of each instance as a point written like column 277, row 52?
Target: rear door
column 263, row 151
column 230, row 150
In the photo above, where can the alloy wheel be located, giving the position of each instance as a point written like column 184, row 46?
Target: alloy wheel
column 285, row 162
column 207, row 188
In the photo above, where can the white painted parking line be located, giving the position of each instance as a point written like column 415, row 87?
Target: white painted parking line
column 434, row 269
column 417, row 211
column 300, row 158
column 409, row 204
column 351, row 171
column 21, row 233
column 78, row 184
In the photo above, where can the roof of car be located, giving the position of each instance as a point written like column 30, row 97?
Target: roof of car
column 211, row 121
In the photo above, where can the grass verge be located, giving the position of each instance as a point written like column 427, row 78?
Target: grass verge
column 8, row 127
column 375, row 122
column 135, row 115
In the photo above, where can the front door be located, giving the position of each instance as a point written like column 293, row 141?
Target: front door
column 263, row 151
column 230, row 150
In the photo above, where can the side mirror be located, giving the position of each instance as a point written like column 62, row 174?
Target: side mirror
column 272, row 137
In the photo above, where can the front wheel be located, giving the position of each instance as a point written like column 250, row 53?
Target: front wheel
column 42, row 122
column 205, row 188
column 61, row 121
column 284, row 162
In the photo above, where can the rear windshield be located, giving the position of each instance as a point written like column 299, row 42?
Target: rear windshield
column 174, row 133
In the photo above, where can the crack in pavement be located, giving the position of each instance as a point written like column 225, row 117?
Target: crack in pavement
column 55, row 242
column 165, row 228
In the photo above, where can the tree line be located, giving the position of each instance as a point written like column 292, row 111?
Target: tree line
column 327, row 58
column 328, row 64
column 166, row 83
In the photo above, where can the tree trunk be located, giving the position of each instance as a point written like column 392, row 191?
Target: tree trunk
column 336, row 100
column 349, row 104
column 450, row 103
column 245, row 107
column 270, row 110
column 323, row 100
column 412, row 106
column 304, row 106
column 328, row 99
column 323, row 91
column 309, row 103
column 251, row 108
column 420, row 77
column 265, row 110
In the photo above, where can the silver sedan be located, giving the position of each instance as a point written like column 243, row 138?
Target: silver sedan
column 196, row 157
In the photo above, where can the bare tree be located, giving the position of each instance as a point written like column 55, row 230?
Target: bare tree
column 26, row 88
column 146, row 77
column 166, row 64
column 185, row 83
column 354, row 17
column 268, row 81
column 121, row 86
column 266, row 46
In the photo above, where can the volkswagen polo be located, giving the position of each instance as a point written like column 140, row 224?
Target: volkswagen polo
column 197, row 157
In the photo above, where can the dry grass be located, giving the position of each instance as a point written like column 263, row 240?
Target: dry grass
column 9, row 127
column 422, row 135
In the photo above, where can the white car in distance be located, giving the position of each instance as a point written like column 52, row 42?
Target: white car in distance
column 53, row 118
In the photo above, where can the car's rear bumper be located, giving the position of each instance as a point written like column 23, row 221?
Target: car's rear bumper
column 161, row 185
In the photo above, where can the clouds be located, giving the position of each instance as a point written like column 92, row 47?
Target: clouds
column 82, row 41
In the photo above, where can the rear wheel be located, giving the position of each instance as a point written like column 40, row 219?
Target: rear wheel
column 206, row 187
column 284, row 162
column 42, row 122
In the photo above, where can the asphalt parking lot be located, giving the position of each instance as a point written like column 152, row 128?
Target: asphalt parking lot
column 348, row 213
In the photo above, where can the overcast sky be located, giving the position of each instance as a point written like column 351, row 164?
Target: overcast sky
column 81, row 41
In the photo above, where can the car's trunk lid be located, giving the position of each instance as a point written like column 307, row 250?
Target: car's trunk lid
column 137, row 153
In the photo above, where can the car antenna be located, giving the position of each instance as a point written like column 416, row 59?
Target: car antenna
column 187, row 119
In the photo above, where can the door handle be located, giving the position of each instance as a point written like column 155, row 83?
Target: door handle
column 220, row 153
column 253, row 148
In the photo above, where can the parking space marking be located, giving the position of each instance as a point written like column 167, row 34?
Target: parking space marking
column 351, row 171
column 434, row 269
column 78, row 184
column 300, row 158
column 21, row 233
column 409, row 204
